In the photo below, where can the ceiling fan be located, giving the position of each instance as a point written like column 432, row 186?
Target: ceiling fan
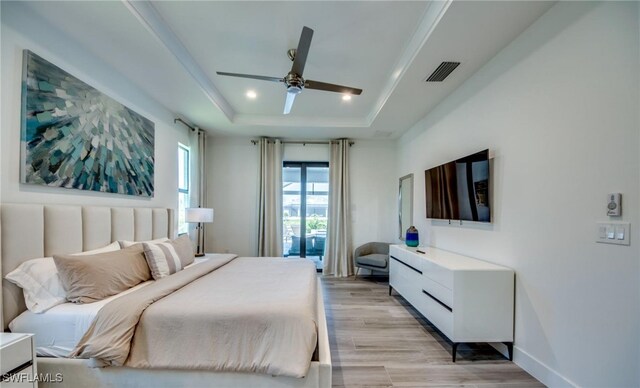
column 293, row 81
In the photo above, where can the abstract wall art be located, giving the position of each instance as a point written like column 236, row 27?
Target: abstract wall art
column 74, row 136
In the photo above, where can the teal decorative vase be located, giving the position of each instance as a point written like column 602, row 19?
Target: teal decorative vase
column 411, row 238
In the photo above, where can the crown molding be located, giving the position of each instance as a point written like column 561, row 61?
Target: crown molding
column 293, row 121
column 432, row 16
column 151, row 19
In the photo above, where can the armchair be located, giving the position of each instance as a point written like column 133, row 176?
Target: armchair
column 373, row 256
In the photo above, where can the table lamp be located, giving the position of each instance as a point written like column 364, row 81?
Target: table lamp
column 199, row 215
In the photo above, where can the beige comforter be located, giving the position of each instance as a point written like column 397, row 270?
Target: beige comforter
column 237, row 315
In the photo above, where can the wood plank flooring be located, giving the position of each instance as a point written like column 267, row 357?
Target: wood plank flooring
column 379, row 340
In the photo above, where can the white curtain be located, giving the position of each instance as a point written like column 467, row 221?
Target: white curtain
column 270, row 198
column 338, row 260
column 197, row 198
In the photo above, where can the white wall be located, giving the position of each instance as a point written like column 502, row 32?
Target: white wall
column 374, row 191
column 559, row 107
column 22, row 30
column 232, row 181
column 232, row 192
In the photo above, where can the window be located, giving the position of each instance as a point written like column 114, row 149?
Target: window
column 183, row 187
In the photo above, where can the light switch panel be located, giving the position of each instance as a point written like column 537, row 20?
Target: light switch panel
column 613, row 233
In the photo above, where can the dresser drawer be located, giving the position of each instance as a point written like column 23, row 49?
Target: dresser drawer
column 15, row 354
column 406, row 258
column 438, row 291
column 437, row 314
column 438, row 274
column 406, row 281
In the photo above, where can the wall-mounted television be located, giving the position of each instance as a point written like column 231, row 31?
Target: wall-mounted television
column 459, row 190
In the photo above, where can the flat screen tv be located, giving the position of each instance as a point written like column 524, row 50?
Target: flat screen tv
column 459, row 190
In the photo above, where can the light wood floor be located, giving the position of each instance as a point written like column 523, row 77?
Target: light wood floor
column 380, row 340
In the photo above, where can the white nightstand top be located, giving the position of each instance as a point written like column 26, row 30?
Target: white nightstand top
column 7, row 339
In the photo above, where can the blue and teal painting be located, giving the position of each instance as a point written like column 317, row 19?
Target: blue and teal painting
column 74, row 136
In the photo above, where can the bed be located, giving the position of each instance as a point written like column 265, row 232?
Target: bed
column 29, row 231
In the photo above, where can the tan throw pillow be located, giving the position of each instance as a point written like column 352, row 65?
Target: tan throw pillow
column 92, row 278
column 169, row 257
column 40, row 283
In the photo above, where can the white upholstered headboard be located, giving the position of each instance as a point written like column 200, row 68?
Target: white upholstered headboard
column 28, row 231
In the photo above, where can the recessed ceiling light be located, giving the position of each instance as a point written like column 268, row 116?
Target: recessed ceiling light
column 251, row 94
column 346, row 97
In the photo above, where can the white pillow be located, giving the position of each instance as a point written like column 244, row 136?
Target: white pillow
column 127, row 244
column 40, row 282
column 114, row 246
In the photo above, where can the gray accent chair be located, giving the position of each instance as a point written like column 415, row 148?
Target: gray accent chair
column 373, row 256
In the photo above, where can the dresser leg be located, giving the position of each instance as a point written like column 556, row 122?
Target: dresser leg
column 390, row 289
column 454, row 351
column 509, row 349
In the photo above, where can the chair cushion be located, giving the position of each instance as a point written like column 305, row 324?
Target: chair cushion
column 374, row 260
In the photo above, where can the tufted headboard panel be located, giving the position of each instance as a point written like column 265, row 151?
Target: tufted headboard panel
column 29, row 231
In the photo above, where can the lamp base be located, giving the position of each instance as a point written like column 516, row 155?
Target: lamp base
column 199, row 254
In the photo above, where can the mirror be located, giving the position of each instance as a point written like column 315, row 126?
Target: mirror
column 405, row 204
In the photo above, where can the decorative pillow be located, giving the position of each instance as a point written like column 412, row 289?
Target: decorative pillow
column 127, row 244
column 40, row 282
column 92, row 278
column 169, row 257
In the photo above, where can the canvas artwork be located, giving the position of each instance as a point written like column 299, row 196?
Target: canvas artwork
column 74, row 136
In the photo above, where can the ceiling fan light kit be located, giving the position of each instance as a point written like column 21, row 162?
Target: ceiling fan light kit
column 293, row 81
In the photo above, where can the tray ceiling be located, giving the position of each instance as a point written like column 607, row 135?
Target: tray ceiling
column 172, row 50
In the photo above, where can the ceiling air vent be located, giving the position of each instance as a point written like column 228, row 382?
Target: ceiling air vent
column 442, row 71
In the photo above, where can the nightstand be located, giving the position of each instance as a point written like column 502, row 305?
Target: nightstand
column 18, row 360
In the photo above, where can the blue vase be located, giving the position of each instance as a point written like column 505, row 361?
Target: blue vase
column 412, row 239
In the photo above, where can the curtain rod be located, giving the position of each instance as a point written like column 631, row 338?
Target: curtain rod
column 304, row 142
column 194, row 129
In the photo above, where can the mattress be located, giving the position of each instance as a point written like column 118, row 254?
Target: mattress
column 58, row 330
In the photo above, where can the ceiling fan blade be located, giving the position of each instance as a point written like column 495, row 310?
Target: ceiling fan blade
column 260, row 77
column 302, row 51
column 309, row 84
column 289, row 102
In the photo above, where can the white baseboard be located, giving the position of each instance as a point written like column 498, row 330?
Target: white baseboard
column 540, row 370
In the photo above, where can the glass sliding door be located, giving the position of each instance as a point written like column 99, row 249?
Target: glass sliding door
column 316, row 211
column 291, row 206
column 305, row 202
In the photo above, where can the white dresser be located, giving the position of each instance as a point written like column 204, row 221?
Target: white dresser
column 17, row 360
column 468, row 300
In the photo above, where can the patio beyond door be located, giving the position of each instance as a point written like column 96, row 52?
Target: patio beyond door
column 305, row 199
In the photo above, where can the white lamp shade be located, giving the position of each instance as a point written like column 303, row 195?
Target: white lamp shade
column 198, row 214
